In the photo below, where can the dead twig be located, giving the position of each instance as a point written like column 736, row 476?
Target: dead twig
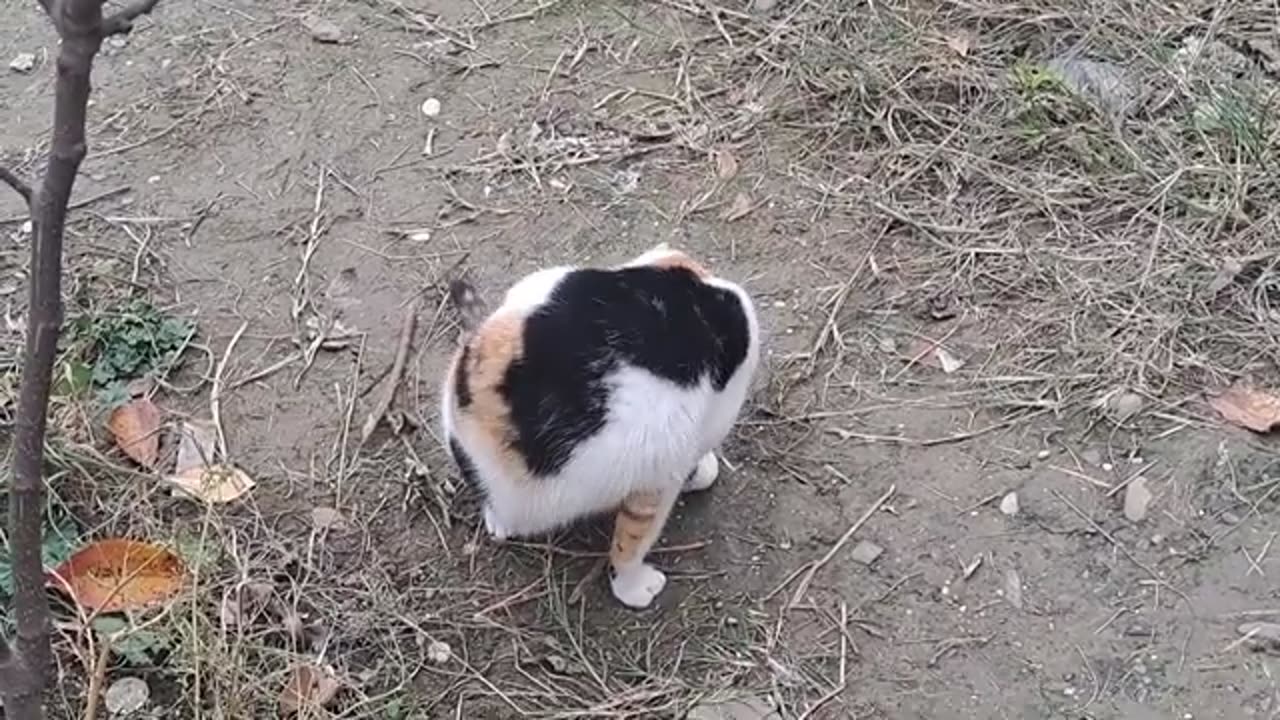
column 397, row 372
column 807, row 578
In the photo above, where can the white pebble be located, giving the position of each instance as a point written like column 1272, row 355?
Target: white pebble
column 1009, row 505
column 431, row 107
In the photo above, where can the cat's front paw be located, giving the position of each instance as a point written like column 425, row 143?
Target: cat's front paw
column 494, row 526
column 636, row 587
column 704, row 475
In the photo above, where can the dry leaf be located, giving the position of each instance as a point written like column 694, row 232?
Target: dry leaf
column 961, row 42
column 213, row 484
column 309, row 687
column 726, row 165
column 196, row 445
column 118, row 574
column 934, row 355
column 136, row 428
column 1248, row 407
column 738, row 209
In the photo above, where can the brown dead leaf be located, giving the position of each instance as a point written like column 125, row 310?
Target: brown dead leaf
column 961, row 42
column 196, row 444
column 1249, row 407
column 117, row 574
column 136, row 428
column 738, row 209
column 309, row 687
column 214, row 484
column 726, row 164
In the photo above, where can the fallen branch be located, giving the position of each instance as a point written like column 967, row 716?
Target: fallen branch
column 393, row 378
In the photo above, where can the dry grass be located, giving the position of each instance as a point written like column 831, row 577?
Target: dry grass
column 1083, row 252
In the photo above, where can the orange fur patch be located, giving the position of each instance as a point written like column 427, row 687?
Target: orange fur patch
column 677, row 259
column 496, row 344
column 632, row 525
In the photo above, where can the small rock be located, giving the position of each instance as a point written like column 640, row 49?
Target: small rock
column 1013, row 588
column 1262, row 635
column 1111, row 87
column 23, row 63
column 439, row 652
column 1139, row 629
column 325, row 31
column 127, row 696
column 763, row 6
column 866, row 552
column 749, row 708
column 1125, row 405
column 1009, row 504
column 1136, row 499
column 431, row 107
column 1043, row 455
column 327, row 518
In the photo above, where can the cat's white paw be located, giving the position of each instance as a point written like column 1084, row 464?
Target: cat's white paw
column 704, row 475
column 637, row 586
column 494, row 526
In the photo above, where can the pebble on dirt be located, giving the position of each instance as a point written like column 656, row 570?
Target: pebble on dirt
column 1136, row 499
column 23, row 63
column 126, row 696
column 325, row 31
column 866, row 552
column 748, row 708
column 1009, row 504
column 431, row 107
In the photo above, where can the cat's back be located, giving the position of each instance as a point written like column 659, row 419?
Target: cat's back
column 649, row 343
column 672, row 321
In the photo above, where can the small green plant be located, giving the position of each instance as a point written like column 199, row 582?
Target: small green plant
column 120, row 345
column 59, row 543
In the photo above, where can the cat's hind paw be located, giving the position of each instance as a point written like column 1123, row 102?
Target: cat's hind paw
column 704, row 475
column 637, row 586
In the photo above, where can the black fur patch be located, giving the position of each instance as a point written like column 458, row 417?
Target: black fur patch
column 462, row 388
column 664, row 320
column 466, row 467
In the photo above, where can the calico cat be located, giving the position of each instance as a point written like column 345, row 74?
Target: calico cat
column 593, row 390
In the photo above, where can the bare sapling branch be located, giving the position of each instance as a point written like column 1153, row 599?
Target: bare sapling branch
column 24, row 664
column 17, row 183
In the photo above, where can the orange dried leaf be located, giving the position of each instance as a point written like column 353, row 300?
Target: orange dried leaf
column 118, row 574
column 1258, row 410
column 136, row 428
column 212, row 484
column 309, row 687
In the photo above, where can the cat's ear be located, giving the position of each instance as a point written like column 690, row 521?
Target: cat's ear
column 470, row 306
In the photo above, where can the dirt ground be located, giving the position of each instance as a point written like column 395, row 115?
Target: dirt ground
column 878, row 175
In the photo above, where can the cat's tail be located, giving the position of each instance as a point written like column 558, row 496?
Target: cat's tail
column 471, row 308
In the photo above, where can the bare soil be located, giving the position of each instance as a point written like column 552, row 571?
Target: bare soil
column 271, row 186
